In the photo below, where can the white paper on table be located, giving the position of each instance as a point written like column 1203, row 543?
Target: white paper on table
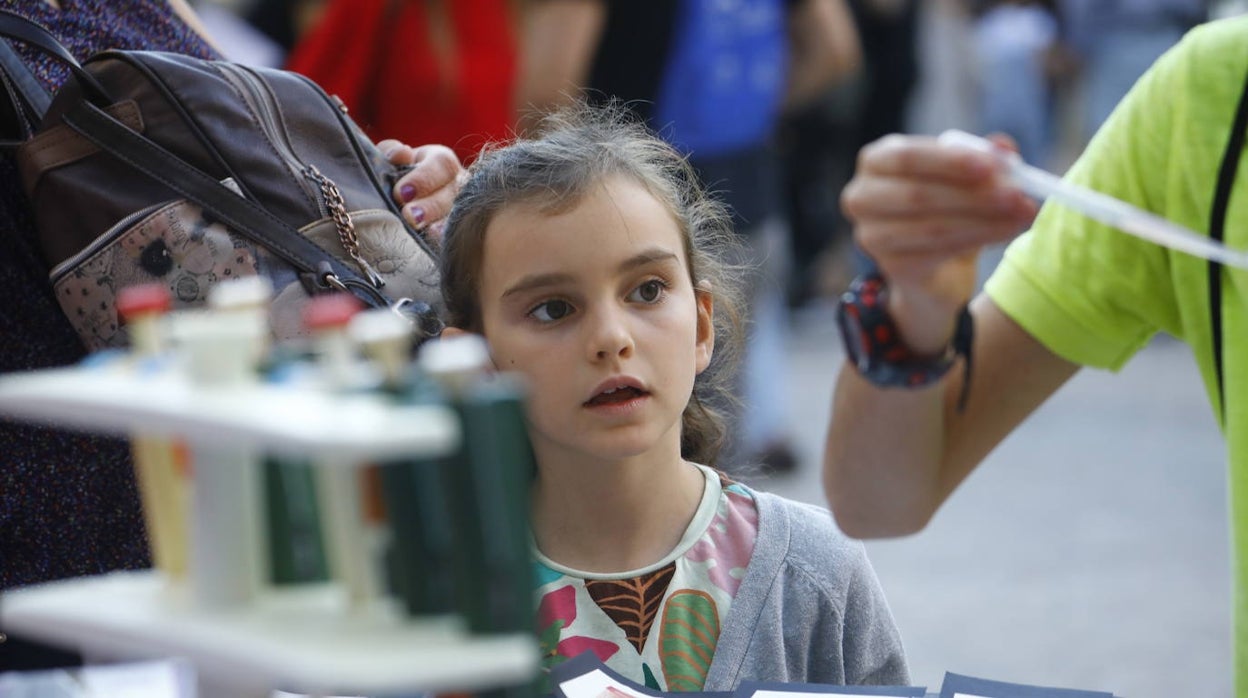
column 597, row 684
column 809, row 694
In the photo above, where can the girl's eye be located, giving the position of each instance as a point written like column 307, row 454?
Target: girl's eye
column 649, row 292
column 550, row 311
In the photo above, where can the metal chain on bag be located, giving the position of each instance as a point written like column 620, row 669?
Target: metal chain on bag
column 342, row 221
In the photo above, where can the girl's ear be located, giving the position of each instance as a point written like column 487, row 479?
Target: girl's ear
column 449, row 332
column 706, row 324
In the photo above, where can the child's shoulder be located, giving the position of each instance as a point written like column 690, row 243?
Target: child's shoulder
column 812, row 539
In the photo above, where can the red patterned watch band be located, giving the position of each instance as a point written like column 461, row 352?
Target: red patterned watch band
column 875, row 347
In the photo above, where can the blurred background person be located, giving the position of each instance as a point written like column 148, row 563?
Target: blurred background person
column 420, row 71
column 889, row 31
column 723, row 74
column 820, row 141
column 1013, row 42
column 1117, row 40
column 282, row 21
column 68, row 502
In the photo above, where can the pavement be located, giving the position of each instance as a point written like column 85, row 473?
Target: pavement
column 1089, row 551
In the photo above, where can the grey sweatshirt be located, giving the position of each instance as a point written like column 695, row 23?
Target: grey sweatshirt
column 810, row 608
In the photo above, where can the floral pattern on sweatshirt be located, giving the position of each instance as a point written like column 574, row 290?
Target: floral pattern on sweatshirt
column 659, row 625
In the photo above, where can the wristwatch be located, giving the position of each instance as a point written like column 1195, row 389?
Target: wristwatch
column 876, row 350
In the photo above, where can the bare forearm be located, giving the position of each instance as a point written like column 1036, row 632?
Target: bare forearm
column 192, row 20
column 557, row 43
column 882, row 457
column 825, row 49
column 893, row 456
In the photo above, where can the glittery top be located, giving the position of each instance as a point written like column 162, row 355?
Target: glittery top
column 68, row 503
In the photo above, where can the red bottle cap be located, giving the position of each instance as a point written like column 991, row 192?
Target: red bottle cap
column 330, row 311
column 153, row 298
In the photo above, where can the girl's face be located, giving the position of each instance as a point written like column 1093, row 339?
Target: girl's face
column 596, row 308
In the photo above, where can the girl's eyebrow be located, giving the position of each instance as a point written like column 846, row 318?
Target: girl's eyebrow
column 649, row 256
column 537, row 281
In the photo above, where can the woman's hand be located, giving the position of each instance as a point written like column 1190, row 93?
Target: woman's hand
column 427, row 191
column 923, row 210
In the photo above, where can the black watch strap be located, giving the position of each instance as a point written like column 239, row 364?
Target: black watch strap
column 877, row 351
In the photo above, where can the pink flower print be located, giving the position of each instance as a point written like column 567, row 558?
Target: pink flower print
column 577, row 644
column 559, row 604
column 728, row 542
column 555, row 613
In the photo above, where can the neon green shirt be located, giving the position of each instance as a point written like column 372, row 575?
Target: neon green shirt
column 1096, row 296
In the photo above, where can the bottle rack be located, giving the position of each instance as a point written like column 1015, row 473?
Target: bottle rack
column 243, row 636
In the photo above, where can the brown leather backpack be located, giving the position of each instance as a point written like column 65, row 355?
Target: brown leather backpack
column 150, row 166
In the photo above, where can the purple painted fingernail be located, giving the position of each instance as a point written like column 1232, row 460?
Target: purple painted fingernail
column 418, row 214
column 407, row 192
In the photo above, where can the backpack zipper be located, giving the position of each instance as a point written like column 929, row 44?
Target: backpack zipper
column 107, row 238
column 319, row 188
column 264, row 105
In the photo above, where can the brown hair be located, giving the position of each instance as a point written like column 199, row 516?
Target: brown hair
column 573, row 149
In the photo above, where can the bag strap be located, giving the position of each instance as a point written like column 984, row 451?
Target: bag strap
column 28, row 100
column 17, row 118
column 322, row 270
column 17, row 27
column 23, row 80
column 1217, row 231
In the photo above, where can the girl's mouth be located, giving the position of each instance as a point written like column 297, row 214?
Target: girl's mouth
column 615, row 396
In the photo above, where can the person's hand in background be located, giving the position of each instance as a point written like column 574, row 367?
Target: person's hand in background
column 428, row 189
column 923, row 211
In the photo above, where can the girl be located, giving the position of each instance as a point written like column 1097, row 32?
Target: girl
column 587, row 257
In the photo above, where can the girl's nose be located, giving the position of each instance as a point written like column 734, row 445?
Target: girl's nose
column 610, row 338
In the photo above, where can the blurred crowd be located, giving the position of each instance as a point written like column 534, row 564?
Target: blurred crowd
column 469, row 72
